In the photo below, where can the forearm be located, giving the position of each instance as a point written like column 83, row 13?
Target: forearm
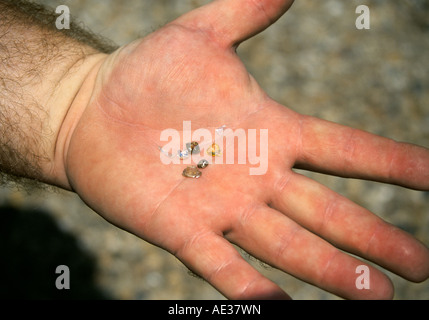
column 43, row 87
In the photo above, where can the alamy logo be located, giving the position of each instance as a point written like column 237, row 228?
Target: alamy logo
column 223, row 146
column 363, row 21
column 63, row 20
column 63, row 280
column 362, row 281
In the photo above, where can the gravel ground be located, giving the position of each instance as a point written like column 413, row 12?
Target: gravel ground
column 313, row 60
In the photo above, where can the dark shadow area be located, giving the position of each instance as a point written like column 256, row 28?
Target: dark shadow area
column 31, row 248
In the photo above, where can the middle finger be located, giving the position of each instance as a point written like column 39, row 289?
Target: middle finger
column 350, row 227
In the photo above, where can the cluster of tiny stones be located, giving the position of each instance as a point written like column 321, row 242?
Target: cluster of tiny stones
column 193, row 147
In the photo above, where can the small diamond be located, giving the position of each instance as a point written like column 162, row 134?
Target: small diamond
column 193, row 147
column 191, row 172
column 219, row 131
column 168, row 154
column 202, row 164
column 183, row 154
column 214, row 150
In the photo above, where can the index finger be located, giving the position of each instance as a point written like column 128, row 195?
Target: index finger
column 339, row 150
column 217, row 261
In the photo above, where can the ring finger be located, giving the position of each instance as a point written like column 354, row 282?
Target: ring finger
column 284, row 244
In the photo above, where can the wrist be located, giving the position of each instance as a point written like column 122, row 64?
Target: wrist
column 65, row 106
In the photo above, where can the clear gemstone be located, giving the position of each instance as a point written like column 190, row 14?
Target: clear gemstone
column 202, row 164
column 183, row 154
column 219, row 131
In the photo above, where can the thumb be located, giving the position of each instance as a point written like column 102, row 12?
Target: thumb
column 231, row 22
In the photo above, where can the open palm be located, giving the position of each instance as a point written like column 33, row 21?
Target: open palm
column 189, row 71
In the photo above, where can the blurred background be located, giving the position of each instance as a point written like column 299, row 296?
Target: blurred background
column 312, row 60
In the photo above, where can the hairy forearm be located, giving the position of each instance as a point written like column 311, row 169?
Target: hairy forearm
column 42, row 72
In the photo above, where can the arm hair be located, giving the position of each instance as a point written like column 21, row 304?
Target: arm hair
column 30, row 48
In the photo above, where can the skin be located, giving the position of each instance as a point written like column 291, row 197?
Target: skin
column 106, row 151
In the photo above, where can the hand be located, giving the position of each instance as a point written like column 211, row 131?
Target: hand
column 189, row 71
